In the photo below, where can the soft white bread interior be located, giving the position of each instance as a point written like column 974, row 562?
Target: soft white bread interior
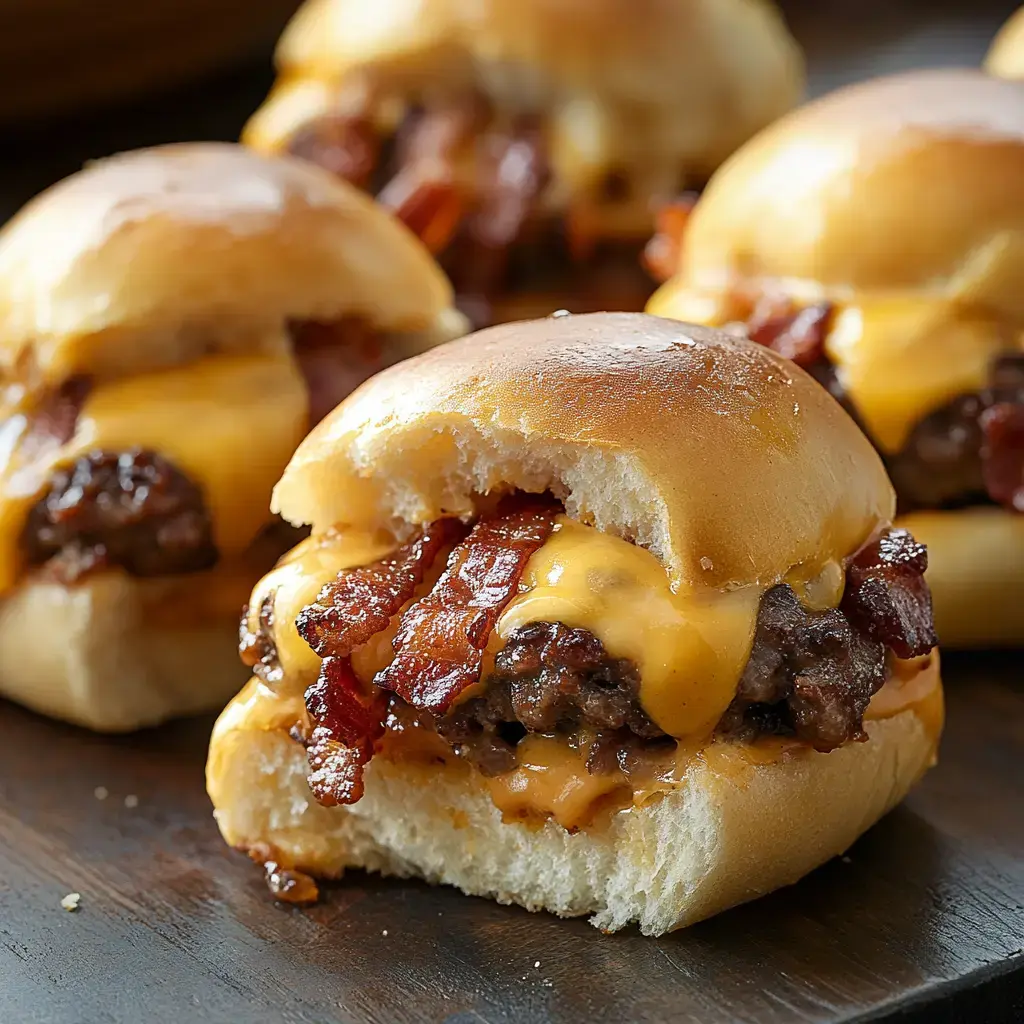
column 976, row 574
column 912, row 183
column 655, row 90
column 106, row 653
column 161, row 255
column 724, row 459
column 733, row 830
column 1005, row 57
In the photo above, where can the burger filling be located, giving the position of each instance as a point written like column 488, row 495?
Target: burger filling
column 486, row 697
column 474, row 188
column 969, row 451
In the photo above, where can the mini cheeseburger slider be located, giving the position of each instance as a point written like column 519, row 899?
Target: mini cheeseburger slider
column 525, row 142
column 1006, row 55
column 600, row 615
column 877, row 237
column 171, row 322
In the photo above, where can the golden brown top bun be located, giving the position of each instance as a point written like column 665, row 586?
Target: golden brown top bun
column 724, row 459
column 673, row 82
column 1005, row 57
column 160, row 255
column 910, row 183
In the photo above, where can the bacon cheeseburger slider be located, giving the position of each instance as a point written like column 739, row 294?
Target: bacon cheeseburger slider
column 171, row 320
column 877, row 237
column 525, row 140
column 616, row 624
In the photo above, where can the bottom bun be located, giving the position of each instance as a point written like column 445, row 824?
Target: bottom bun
column 976, row 574
column 734, row 829
column 115, row 653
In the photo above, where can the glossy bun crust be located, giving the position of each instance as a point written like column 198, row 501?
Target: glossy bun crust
column 1005, row 57
column 726, row 460
column 911, row 183
column 186, row 244
column 656, row 86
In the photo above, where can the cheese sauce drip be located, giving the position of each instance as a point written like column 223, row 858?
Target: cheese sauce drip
column 228, row 422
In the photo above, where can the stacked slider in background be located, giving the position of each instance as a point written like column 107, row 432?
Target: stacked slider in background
column 171, row 321
column 876, row 236
column 527, row 141
column 564, row 568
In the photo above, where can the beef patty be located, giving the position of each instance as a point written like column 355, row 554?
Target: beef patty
column 130, row 509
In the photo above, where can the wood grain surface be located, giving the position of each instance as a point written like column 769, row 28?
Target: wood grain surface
column 925, row 913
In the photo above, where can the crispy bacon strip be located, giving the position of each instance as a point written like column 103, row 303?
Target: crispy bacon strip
column 361, row 602
column 1002, row 454
column 511, row 173
column 797, row 334
column 431, row 209
column 440, row 643
column 663, row 253
column 257, row 649
column 511, row 177
column 348, row 147
column 424, row 194
column 887, row 597
column 347, row 725
column 349, row 611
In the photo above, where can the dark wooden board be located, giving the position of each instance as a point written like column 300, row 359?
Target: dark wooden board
column 923, row 921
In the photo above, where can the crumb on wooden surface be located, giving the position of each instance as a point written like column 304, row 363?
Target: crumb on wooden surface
column 71, row 901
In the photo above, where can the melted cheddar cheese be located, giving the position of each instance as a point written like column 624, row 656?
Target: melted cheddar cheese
column 898, row 359
column 551, row 781
column 229, row 422
column 690, row 647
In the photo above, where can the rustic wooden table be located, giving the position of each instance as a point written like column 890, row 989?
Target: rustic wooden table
column 924, row 921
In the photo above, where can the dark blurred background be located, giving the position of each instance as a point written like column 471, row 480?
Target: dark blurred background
column 79, row 80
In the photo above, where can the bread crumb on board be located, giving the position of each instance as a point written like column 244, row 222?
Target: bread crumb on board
column 71, row 901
